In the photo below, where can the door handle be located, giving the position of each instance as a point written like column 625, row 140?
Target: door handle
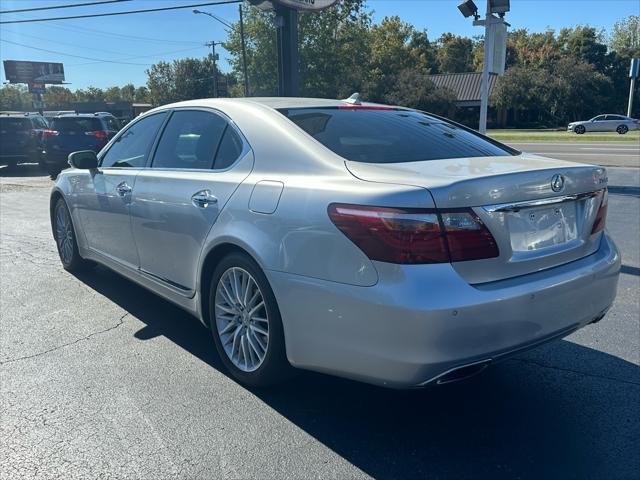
column 203, row 199
column 123, row 188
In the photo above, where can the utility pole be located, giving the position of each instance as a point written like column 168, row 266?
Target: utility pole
column 215, row 69
column 244, row 54
column 484, row 89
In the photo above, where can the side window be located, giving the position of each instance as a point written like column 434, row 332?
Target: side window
column 599, row 119
column 190, row 140
column 112, row 124
column 131, row 149
column 229, row 150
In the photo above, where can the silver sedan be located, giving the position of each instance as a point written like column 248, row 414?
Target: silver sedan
column 372, row 242
column 605, row 123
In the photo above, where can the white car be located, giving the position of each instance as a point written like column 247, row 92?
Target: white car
column 605, row 123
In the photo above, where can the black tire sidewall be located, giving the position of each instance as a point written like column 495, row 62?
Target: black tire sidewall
column 77, row 262
column 275, row 367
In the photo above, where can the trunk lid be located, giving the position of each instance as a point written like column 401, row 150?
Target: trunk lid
column 535, row 225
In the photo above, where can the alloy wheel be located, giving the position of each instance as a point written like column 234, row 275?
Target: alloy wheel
column 64, row 234
column 242, row 319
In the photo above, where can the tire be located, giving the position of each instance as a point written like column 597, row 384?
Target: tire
column 238, row 323
column 622, row 129
column 65, row 237
column 580, row 129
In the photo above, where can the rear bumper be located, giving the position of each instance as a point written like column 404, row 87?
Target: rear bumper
column 418, row 323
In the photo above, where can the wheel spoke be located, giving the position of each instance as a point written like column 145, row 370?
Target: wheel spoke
column 239, row 306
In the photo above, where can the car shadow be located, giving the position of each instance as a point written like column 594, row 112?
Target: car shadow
column 560, row 411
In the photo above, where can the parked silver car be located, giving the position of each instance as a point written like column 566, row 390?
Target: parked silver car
column 377, row 243
column 605, row 123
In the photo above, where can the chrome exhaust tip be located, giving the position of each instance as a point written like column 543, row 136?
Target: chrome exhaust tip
column 462, row 373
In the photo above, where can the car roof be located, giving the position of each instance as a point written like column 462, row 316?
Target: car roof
column 270, row 102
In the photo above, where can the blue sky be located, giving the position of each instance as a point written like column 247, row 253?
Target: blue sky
column 144, row 39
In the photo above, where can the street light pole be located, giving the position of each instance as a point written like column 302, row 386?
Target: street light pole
column 244, row 54
column 215, row 69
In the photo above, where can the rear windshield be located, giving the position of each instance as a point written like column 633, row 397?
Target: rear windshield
column 76, row 124
column 12, row 124
column 390, row 135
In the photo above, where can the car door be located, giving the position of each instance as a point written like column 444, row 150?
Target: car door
column 198, row 163
column 598, row 124
column 105, row 200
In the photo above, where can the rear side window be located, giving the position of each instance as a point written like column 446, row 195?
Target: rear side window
column 131, row 148
column 190, row 140
column 76, row 124
column 390, row 135
column 10, row 125
column 229, row 150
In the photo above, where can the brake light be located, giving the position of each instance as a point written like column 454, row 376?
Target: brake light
column 414, row 236
column 97, row 133
column 365, row 107
column 467, row 236
column 50, row 133
column 601, row 216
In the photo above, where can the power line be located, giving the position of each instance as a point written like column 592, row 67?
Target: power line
column 71, row 55
column 96, row 60
column 144, row 56
column 78, row 29
column 161, row 9
column 63, row 6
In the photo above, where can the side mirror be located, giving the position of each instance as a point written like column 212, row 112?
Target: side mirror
column 84, row 160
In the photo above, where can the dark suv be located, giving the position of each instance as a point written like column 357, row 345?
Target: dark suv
column 72, row 132
column 21, row 138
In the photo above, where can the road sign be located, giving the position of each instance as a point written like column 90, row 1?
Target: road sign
column 305, row 5
column 635, row 67
column 497, row 33
column 17, row 71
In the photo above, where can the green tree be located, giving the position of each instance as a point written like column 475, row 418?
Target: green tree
column 625, row 36
column 15, row 98
column 57, row 97
column 413, row 89
column 455, row 54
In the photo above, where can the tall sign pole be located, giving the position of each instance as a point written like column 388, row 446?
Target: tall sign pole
column 633, row 74
column 286, row 20
column 287, row 45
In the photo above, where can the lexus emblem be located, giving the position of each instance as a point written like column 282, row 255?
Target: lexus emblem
column 557, row 182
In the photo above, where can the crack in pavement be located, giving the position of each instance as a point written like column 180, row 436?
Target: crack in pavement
column 578, row 372
column 100, row 332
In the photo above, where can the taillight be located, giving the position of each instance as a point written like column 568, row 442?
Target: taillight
column 50, row 133
column 601, row 216
column 467, row 236
column 414, row 236
column 97, row 133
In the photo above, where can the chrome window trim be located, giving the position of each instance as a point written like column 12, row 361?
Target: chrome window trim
column 108, row 146
column 516, row 206
column 246, row 147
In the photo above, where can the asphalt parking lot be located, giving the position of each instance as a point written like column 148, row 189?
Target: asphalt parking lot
column 100, row 378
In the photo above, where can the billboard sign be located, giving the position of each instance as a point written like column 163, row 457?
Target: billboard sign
column 17, row 71
column 37, row 88
column 304, row 5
